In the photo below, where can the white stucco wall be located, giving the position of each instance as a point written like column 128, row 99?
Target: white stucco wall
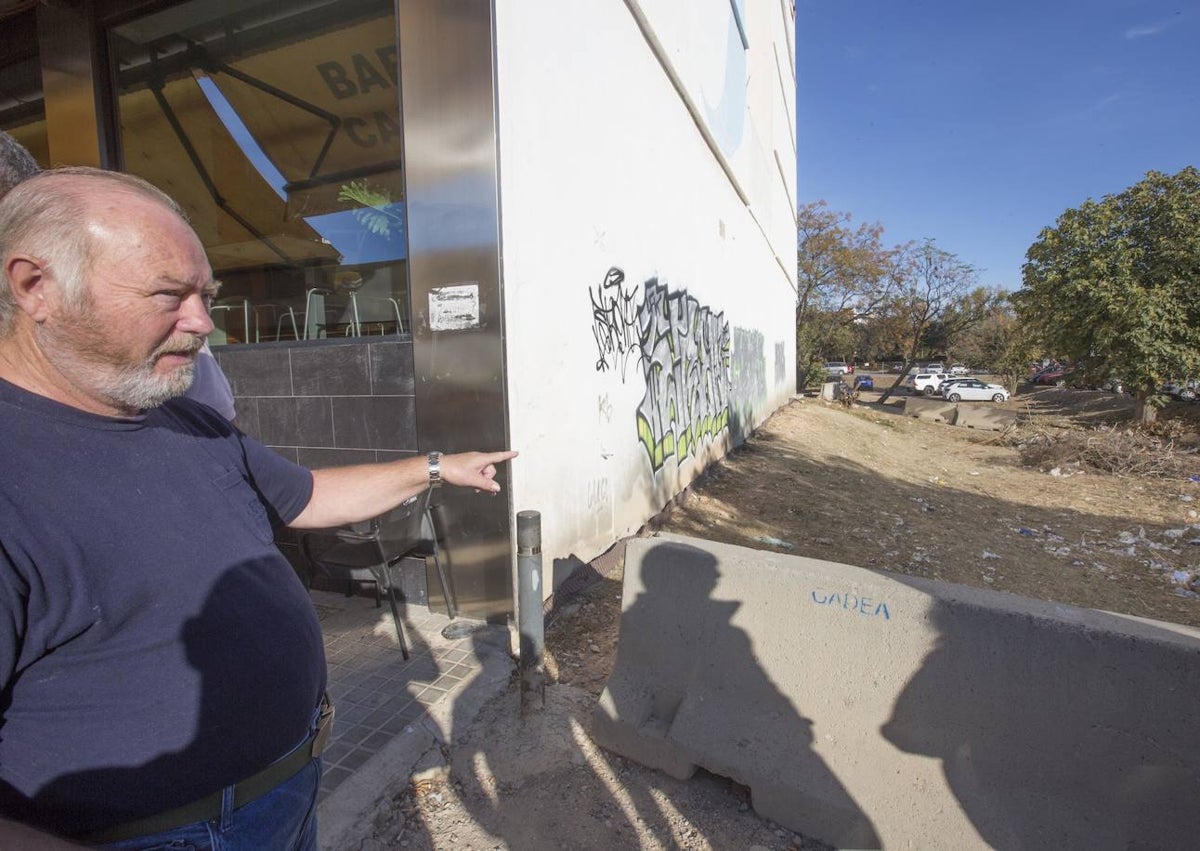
column 614, row 200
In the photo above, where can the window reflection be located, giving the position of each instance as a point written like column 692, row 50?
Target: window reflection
column 22, row 111
column 277, row 127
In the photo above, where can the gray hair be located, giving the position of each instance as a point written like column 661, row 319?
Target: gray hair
column 46, row 215
column 16, row 163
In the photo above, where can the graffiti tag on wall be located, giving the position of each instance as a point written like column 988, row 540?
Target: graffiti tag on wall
column 614, row 322
column 683, row 349
column 749, row 366
column 685, row 361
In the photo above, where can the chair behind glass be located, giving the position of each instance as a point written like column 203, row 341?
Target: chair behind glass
column 376, row 546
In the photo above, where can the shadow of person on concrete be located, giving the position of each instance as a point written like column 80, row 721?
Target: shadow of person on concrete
column 501, row 751
column 687, row 691
column 1068, row 748
column 169, row 736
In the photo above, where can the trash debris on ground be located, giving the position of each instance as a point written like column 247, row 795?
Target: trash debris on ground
column 774, row 542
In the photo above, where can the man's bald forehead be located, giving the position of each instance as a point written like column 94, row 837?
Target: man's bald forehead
column 59, row 203
column 93, row 184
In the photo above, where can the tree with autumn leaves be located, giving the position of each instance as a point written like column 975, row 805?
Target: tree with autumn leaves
column 844, row 275
column 857, row 295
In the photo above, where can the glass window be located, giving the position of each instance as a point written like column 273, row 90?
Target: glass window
column 277, row 127
column 22, row 111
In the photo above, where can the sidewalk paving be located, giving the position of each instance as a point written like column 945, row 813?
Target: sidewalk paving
column 393, row 713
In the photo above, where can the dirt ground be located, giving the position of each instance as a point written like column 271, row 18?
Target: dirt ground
column 865, row 486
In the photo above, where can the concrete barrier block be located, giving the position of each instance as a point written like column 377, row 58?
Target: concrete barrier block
column 874, row 710
column 831, row 391
column 983, row 417
column 934, row 409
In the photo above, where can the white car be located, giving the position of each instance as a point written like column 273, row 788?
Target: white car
column 835, row 368
column 974, row 390
column 1185, row 391
column 950, row 381
column 925, row 383
column 959, row 369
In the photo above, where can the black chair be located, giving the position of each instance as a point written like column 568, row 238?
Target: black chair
column 368, row 551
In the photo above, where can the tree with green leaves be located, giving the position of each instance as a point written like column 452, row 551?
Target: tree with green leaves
column 1114, row 286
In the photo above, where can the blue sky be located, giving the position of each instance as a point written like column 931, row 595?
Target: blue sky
column 978, row 124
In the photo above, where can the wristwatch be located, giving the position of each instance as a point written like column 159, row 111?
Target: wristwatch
column 435, row 469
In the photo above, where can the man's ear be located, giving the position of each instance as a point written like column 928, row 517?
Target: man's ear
column 27, row 277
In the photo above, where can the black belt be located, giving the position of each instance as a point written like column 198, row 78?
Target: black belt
column 209, row 807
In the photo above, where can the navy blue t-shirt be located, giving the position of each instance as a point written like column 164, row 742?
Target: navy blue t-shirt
column 155, row 646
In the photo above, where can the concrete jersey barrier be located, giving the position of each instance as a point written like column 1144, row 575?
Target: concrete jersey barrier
column 982, row 417
column 936, row 410
column 873, row 710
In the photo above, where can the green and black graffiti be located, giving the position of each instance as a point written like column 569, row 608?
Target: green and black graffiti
column 683, row 348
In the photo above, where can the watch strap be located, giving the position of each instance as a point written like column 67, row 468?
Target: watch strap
column 435, row 469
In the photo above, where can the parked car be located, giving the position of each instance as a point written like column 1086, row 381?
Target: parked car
column 1056, row 376
column 935, row 366
column 1184, row 391
column 959, row 369
column 950, row 381
column 835, row 368
column 973, row 390
column 925, row 383
column 864, row 382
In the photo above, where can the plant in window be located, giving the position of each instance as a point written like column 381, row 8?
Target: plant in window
column 378, row 213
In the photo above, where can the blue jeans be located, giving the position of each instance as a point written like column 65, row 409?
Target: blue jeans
column 284, row 819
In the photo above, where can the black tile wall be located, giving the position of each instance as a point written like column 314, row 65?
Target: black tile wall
column 315, row 401
column 375, row 422
column 300, row 421
column 391, row 369
column 390, row 455
column 331, row 370
column 256, row 370
column 246, row 414
column 315, row 458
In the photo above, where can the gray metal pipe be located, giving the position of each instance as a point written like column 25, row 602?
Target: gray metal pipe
column 530, row 621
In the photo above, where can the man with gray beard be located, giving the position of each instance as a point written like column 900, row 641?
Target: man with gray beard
column 161, row 666
column 209, row 384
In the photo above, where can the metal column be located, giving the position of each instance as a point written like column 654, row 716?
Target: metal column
column 452, row 194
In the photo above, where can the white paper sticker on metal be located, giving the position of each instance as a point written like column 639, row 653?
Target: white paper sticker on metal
column 454, row 307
